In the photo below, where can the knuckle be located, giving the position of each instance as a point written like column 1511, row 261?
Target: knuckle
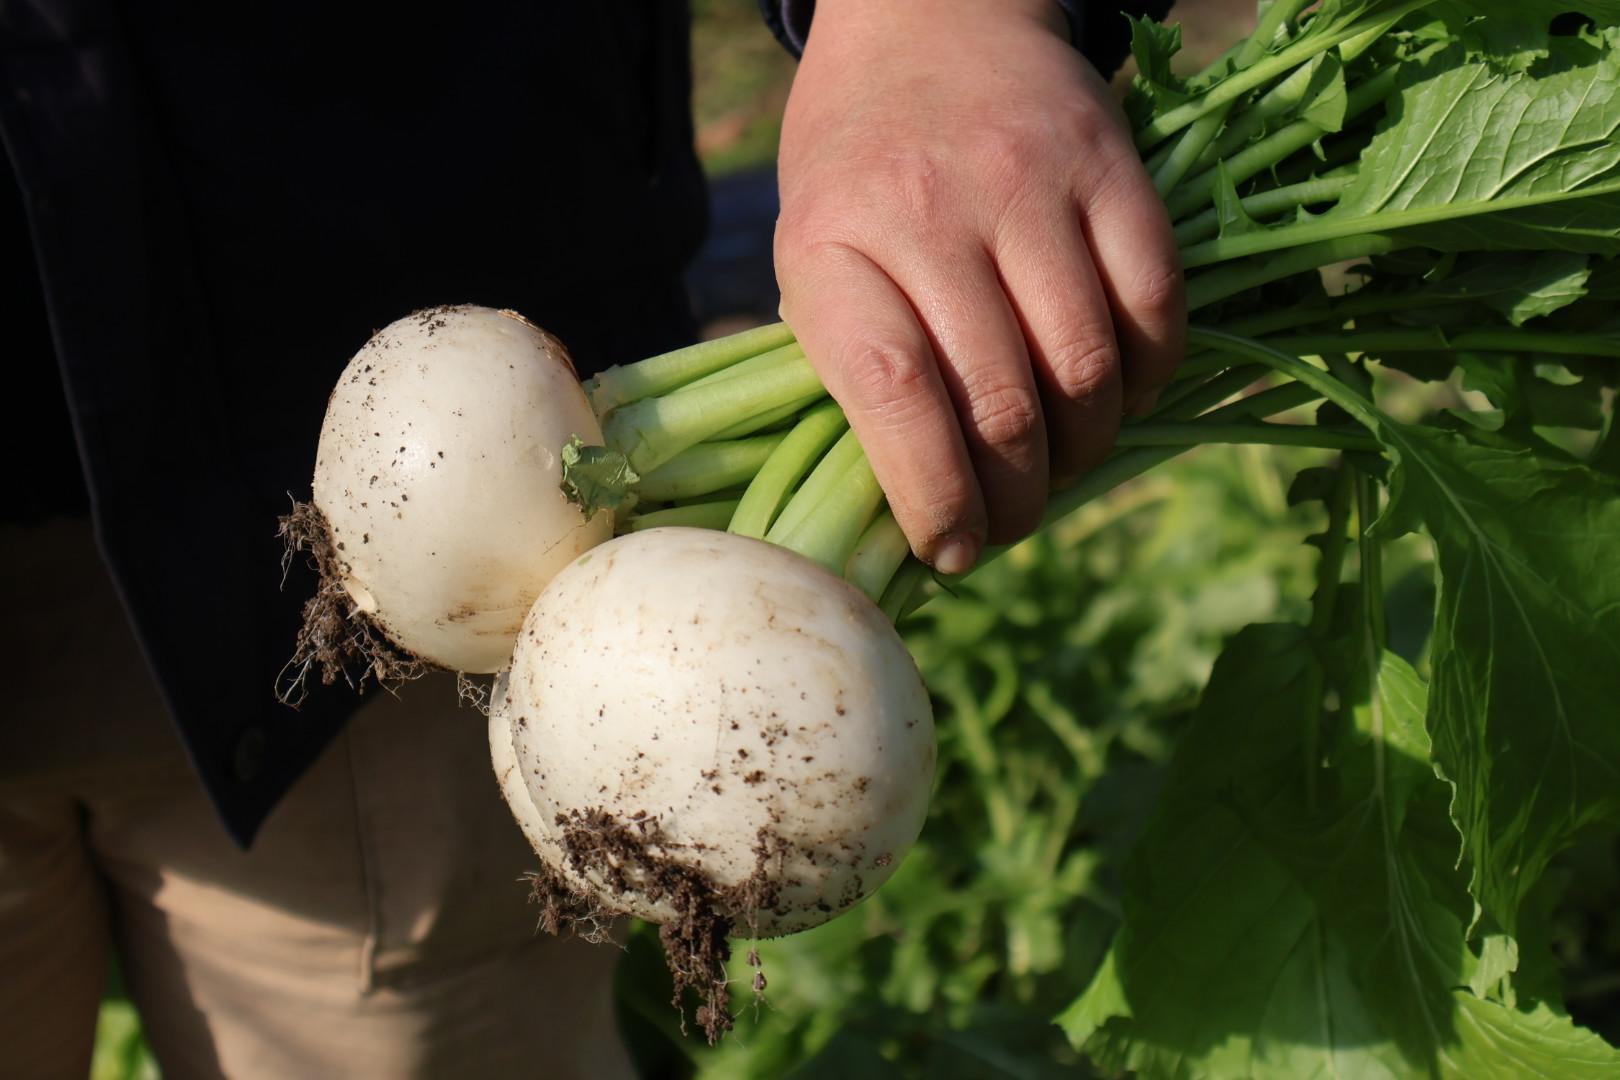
column 1006, row 417
column 1107, row 176
column 802, row 237
column 911, row 178
column 1096, row 148
column 1157, row 291
column 1084, row 364
column 883, row 374
column 1008, row 152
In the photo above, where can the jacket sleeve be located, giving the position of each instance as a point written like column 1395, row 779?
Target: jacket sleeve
column 1097, row 27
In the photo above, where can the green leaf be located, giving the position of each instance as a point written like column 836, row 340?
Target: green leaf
column 1606, row 458
column 1154, row 45
column 1473, row 158
column 1279, row 925
column 596, row 477
column 1465, row 137
column 1519, row 288
column 1326, row 96
column 1526, row 648
column 1155, row 86
column 1529, row 398
column 1230, row 216
column 1538, row 1041
column 1512, row 36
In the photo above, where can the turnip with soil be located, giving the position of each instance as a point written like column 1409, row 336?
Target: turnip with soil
column 437, row 517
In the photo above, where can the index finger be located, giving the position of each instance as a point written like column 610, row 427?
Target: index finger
column 860, row 333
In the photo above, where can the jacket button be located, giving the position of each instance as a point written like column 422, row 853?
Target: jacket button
column 249, row 757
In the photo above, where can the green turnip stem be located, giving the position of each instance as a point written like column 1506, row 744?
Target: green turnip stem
column 1281, row 100
column 1334, row 314
column 1274, row 148
column 658, row 375
column 1166, row 124
column 1216, row 69
column 1186, row 400
column 703, row 515
column 1219, row 283
column 748, row 365
column 1292, row 366
column 1198, row 192
column 1201, row 363
column 1371, row 548
column 817, row 486
column 829, row 533
column 708, row 467
column 1186, row 151
column 1348, row 372
column 901, row 596
column 1197, row 138
column 1196, row 434
column 1333, row 544
column 1428, row 340
column 1269, row 402
column 1244, row 161
column 768, row 419
column 831, row 516
column 787, row 465
column 878, row 554
column 1331, row 227
column 652, row 431
column 1266, row 204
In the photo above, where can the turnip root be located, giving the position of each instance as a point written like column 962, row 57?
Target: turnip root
column 733, row 711
column 437, row 513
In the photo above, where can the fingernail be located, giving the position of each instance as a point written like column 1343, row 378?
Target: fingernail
column 955, row 554
column 1065, row 481
column 1145, row 404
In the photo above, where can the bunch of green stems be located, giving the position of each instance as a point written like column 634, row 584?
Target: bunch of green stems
column 739, row 433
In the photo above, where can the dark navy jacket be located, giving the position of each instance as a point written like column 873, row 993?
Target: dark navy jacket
column 221, row 213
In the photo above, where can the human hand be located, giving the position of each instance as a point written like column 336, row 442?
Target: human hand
column 973, row 257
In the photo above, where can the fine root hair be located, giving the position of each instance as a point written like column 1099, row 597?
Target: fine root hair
column 337, row 640
column 633, row 856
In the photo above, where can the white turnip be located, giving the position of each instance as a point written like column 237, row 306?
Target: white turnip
column 734, row 712
column 438, row 516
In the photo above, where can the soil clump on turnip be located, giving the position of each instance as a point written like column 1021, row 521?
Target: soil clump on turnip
column 336, row 639
column 631, row 856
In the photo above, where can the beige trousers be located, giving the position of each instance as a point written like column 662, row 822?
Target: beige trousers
column 377, row 928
